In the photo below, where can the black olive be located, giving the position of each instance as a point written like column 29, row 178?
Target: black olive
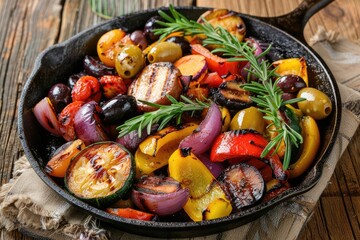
column 150, row 25
column 291, row 83
column 60, row 96
column 119, row 108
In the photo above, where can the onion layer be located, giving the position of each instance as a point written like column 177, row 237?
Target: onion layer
column 46, row 116
column 160, row 195
column 201, row 139
column 87, row 123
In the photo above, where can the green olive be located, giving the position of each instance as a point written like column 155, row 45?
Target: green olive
column 248, row 118
column 316, row 105
column 165, row 52
column 129, row 61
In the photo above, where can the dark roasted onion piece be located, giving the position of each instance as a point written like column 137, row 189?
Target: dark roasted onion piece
column 159, row 195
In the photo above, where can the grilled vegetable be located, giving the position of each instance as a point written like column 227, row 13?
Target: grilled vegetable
column 160, row 195
column 232, row 96
column 216, row 63
column 108, row 45
column 295, row 66
column 243, row 184
column 241, row 145
column 154, row 152
column 87, row 124
column 192, row 65
column 155, row 82
column 130, row 213
column 310, row 147
column 86, row 89
column 101, row 173
column 207, row 200
column 201, row 139
column 45, row 114
column 226, row 19
column 60, row 162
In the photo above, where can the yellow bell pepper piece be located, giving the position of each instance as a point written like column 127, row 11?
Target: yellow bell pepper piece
column 206, row 195
column 225, row 118
column 311, row 138
column 152, row 144
column 296, row 66
column 154, row 152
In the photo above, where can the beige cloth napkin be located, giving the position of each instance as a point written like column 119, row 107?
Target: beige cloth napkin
column 28, row 205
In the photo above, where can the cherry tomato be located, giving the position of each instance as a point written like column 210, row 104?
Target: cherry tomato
column 86, row 89
column 112, row 86
column 66, row 120
column 108, row 46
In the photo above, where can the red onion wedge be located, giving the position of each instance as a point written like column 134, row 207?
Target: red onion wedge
column 160, row 195
column 201, row 139
column 216, row 168
column 46, row 116
column 87, row 123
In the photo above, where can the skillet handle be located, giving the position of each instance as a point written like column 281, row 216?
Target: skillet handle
column 295, row 21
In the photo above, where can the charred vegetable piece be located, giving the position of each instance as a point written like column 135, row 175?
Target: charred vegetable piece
column 207, row 200
column 216, row 63
column 60, row 162
column 94, row 67
column 155, row 82
column 66, row 120
column 227, row 19
column 310, row 147
column 130, row 213
column 243, row 184
column 154, row 152
column 242, row 144
column 295, row 66
column 192, row 65
column 108, row 46
column 232, row 96
column 201, row 139
column 86, row 89
column 150, row 25
column 112, row 86
column 45, row 114
column 160, row 195
column 88, row 125
column 101, row 173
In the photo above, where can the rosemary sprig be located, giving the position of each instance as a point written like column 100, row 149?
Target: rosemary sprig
column 268, row 95
column 162, row 116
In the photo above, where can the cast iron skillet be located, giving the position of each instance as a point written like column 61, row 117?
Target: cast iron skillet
column 58, row 62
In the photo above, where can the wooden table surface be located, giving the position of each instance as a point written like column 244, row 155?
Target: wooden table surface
column 29, row 26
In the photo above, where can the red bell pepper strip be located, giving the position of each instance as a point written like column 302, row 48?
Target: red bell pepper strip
column 130, row 213
column 216, row 63
column 243, row 144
